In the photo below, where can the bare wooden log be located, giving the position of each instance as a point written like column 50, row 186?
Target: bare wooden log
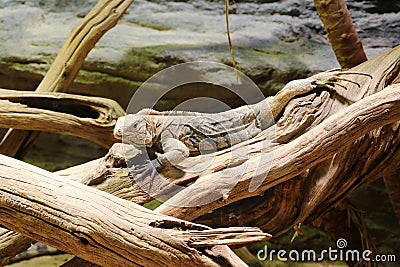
column 49, row 209
column 66, row 65
column 103, row 174
column 107, row 174
column 303, row 114
column 100, row 174
column 91, row 118
column 292, row 159
column 288, row 129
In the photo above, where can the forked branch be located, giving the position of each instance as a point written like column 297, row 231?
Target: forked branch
column 68, row 215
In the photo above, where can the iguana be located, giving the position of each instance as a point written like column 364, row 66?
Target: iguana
column 179, row 134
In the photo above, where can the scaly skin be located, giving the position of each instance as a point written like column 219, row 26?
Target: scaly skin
column 180, row 134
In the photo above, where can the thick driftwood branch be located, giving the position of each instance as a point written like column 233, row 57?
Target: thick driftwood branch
column 91, row 118
column 292, row 159
column 328, row 182
column 103, row 174
column 112, row 180
column 116, row 232
column 301, row 200
column 68, row 62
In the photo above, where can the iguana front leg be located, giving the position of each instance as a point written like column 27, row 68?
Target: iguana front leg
column 174, row 152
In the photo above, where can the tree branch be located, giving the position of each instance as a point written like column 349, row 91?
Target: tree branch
column 290, row 160
column 116, row 232
column 68, row 62
column 91, row 118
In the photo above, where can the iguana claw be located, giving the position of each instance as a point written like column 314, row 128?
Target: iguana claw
column 330, row 78
column 147, row 170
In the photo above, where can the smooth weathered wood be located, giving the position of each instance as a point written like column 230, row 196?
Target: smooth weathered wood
column 103, row 174
column 292, row 159
column 67, row 63
column 219, row 236
column 91, row 118
column 305, row 202
column 66, row 215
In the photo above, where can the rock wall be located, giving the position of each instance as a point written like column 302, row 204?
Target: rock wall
column 273, row 42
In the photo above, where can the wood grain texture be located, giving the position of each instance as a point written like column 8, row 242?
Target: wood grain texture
column 68, row 215
column 310, row 140
column 315, row 144
column 292, row 159
column 91, row 118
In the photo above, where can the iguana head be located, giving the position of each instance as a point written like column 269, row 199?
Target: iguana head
column 135, row 129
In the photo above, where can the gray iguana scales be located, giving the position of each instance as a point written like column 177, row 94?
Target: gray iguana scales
column 179, row 134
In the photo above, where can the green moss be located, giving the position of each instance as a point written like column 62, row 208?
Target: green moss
column 154, row 26
column 94, row 77
column 153, row 204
